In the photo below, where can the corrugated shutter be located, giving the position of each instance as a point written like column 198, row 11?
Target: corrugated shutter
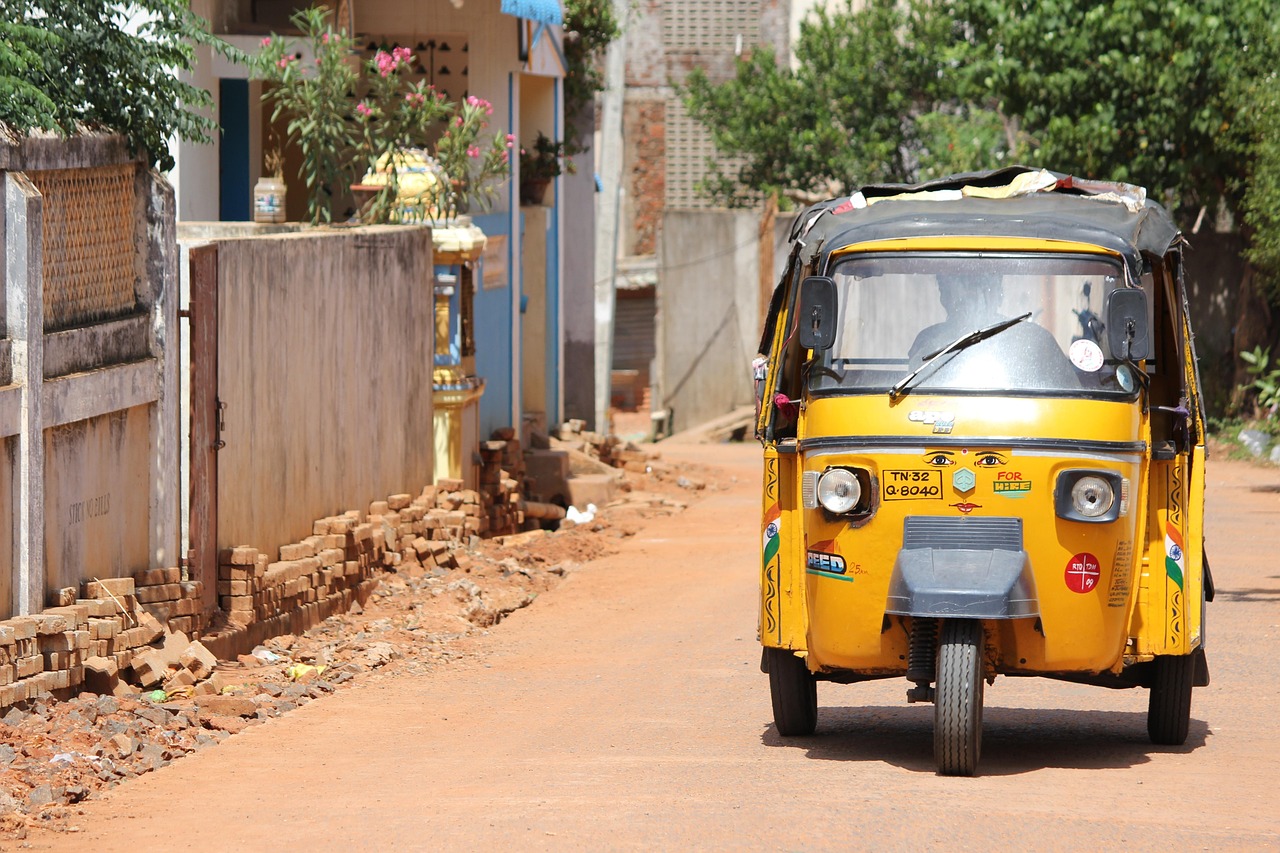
column 633, row 332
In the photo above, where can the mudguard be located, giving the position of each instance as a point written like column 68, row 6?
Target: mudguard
column 962, row 582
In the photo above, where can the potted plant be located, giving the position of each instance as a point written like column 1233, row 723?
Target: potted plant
column 538, row 166
column 369, row 126
column 269, row 192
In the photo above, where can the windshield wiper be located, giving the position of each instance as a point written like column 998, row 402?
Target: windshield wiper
column 966, row 340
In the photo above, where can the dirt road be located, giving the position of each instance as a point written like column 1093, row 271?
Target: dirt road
column 625, row 710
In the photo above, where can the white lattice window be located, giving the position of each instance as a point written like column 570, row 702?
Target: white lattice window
column 689, row 146
column 710, row 25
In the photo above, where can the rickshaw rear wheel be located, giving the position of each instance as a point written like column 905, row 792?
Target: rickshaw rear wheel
column 1169, row 706
column 957, row 711
column 794, row 692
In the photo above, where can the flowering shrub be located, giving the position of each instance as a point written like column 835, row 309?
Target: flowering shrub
column 351, row 119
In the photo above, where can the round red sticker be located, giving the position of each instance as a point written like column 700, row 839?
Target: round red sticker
column 1082, row 573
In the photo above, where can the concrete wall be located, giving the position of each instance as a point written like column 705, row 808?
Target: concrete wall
column 711, row 301
column 708, row 313
column 88, row 413
column 97, row 476
column 325, row 341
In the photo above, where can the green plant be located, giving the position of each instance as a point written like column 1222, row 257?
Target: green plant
column 1266, row 379
column 589, row 27
column 543, row 162
column 350, row 120
column 72, row 65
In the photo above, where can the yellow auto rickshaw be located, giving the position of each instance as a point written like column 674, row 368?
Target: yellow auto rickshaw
column 983, row 451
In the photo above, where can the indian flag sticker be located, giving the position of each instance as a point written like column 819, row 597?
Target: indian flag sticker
column 772, row 525
column 1175, row 558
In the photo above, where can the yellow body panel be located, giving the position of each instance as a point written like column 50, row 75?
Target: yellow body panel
column 1082, row 630
column 782, row 604
column 1110, row 594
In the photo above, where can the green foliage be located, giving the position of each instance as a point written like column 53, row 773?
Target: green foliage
column 349, row 120
column 589, row 27
column 1128, row 90
column 1266, row 380
column 543, row 162
column 1166, row 95
column 67, row 65
column 843, row 116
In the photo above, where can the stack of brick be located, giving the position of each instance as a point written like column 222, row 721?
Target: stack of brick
column 458, row 514
column 176, row 603
column 502, row 486
column 251, row 588
column 501, row 492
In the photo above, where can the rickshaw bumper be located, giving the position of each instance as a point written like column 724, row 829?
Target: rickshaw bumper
column 962, row 584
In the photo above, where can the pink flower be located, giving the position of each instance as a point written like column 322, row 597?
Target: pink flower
column 511, row 140
column 324, row 39
column 386, row 63
column 402, row 54
column 415, row 99
column 266, row 42
column 458, row 121
column 480, row 104
column 504, row 157
column 473, row 151
column 284, row 61
column 364, row 109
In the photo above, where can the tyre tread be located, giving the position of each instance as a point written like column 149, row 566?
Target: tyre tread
column 957, row 727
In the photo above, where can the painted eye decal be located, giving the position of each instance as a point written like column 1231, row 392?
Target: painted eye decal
column 939, row 459
column 989, row 460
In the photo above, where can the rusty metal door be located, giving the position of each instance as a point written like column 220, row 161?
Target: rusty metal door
column 205, row 418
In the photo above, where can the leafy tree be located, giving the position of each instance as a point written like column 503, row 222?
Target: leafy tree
column 67, row 65
column 843, row 116
column 1129, row 90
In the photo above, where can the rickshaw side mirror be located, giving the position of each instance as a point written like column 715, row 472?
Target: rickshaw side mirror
column 1128, row 333
column 817, row 316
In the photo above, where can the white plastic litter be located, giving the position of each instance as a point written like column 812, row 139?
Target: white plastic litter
column 578, row 516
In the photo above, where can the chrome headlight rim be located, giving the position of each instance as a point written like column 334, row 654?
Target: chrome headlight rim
column 839, row 491
column 1070, row 498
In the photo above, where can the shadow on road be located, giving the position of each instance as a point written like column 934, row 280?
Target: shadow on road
column 1255, row 594
column 1014, row 740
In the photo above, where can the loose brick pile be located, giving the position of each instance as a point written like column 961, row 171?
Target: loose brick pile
column 344, row 551
column 609, row 449
column 94, row 643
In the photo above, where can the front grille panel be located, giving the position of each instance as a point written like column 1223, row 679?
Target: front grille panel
column 967, row 534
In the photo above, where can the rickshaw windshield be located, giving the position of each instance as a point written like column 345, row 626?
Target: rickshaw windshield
column 899, row 312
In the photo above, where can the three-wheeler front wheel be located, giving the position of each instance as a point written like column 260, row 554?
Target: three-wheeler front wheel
column 794, row 692
column 1169, row 706
column 957, row 710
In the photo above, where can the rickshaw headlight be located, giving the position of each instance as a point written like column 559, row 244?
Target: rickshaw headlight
column 839, row 491
column 1092, row 496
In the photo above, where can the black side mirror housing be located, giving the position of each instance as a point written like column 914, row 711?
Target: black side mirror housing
column 1128, row 332
column 817, row 317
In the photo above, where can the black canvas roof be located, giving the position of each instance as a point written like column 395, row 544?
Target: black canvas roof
column 1113, row 216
